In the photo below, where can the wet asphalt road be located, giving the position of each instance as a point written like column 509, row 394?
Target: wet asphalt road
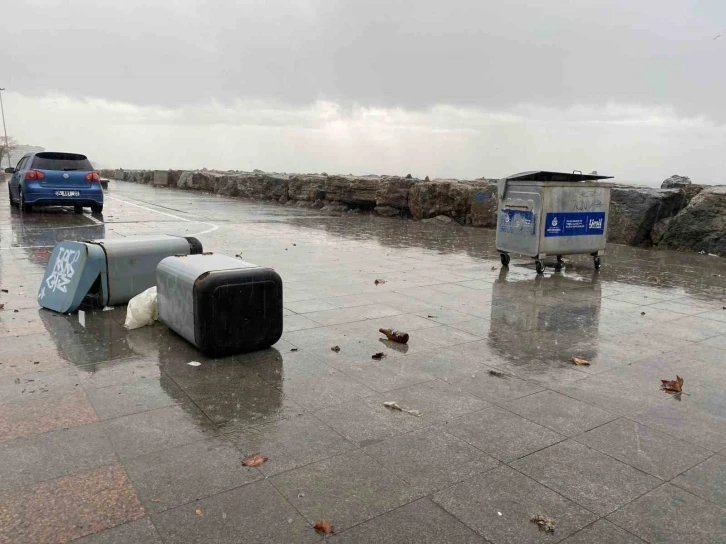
column 112, row 432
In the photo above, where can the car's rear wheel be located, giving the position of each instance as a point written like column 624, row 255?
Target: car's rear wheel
column 23, row 206
column 10, row 196
column 97, row 208
column 78, row 209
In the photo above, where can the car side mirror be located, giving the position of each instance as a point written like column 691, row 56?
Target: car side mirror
column 10, row 170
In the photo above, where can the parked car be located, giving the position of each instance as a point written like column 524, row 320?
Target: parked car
column 55, row 179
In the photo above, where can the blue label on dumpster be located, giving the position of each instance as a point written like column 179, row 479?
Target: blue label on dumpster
column 517, row 222
column 575, row 224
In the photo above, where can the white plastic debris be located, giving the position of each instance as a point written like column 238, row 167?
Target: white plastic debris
column 194, row 363
column 142, row 310
column 108, row 308
column 393, row 405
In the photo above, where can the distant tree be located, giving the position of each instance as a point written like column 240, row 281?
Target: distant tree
column 5, row 150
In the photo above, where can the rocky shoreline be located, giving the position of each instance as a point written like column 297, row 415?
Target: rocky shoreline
column 681, row 215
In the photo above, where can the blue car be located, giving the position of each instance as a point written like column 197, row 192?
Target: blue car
column 55, row 179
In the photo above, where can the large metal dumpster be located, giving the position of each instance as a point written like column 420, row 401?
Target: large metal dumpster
column 552, row 213
column 106, row 272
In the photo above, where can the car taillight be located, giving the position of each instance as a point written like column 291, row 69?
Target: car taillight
column 93, row 176
column 34, row 175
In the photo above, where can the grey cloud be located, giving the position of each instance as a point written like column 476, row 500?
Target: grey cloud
column 407, row 53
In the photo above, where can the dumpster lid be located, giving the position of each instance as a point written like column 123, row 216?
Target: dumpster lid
column 542, row 175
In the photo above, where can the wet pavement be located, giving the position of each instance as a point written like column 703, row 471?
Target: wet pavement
column 110, row 436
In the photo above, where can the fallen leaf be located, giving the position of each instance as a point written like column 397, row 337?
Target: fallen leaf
column 544, row 523
column 336, row 349
column 4, row 290
column 2, row 306
column 393, row 405
column 432, row 317
column 324, row 528
column 293, row 349
column 580, row 362
column 14, row 311
column 379, row 281
column 497, row 374
column 378, row 356
column 254, row 460
column 642, row 313
column 673, row 386
column 198, row 512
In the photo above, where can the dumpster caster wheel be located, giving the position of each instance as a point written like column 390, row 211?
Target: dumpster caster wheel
column 560, row 264
column 597, row 263
column 539, row 267
column 505, row 259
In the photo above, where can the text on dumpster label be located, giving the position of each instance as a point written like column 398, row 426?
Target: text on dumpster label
column 575, row 224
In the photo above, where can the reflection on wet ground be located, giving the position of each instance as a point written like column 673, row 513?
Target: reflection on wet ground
column 108, row 431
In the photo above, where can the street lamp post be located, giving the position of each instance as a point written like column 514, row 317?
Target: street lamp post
column 5, row 130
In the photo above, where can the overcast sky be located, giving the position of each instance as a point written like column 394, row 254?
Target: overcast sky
column 461, row 88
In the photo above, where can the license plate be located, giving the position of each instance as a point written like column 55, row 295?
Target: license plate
column 67, row 193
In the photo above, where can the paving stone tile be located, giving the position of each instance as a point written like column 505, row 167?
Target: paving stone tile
column 43, row 415
column 497, row 387
column 597, row 482
column 364, row 421
column 559, row 413
column 602, row 531
column 35, row 385
column 156, row 430
column 135, row 397
column 445, row 336
column 499, row 505
column 69, row 507
column 707, row 480
column 181, row 475
column 290, row 443
column 139, row 531
column 502, row 434
column 119, row 372
column 718, row 342
column 296, row 322
column 430, row 459
column 437, row 401
column 669, row 514
column 345, row 490
column 698, row 418
column 420, row 522
column 49, row 455
column 644, row 448
column 329, row 389
column 348, row 315
column 388, row 374
column 226, row 519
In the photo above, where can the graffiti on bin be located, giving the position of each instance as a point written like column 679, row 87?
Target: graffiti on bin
column 480, row 197
column 520, row 222
column 63, row 271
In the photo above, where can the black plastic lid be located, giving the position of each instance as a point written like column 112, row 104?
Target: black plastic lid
column 542, row 175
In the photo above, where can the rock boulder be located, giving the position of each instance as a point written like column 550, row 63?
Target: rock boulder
column 483, row 205
column 440, row 197
column 635, row 210
column 393, row 192
column 675, row 181
column 701, row 226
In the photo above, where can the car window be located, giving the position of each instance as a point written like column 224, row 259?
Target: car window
column 21, row 163
column 61, row 161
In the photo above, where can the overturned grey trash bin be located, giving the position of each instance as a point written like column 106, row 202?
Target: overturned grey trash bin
column 222, row 305
column 106, row 272
column 552, row 213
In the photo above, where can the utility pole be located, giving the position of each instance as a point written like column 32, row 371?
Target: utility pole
column 5, row 130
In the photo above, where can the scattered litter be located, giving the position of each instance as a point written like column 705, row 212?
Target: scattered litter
column 300, row 495
column 194, row 363
column 379, row 281
column 16, row 311
column 710, row 255
column 324, row 528
column 108, row 308
column 702, row 252
column 289, row 520
column 378, row 356
column 580, row 362
column 293, row 349
column 36, row 362
column 673, row 386
column 497, row 374
column 499, row 513
column 4, row 290
column 198, row 512
column 716, row 275
column 642, row 313
column 142, row 310
column 2, row 306
column 432, row 317
column 544, row 523
column 336, row 349
column 294, row 244
column 494, row 267
column 158, row 500
column 393, row 405
column 395, row 336
column 254, row 460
